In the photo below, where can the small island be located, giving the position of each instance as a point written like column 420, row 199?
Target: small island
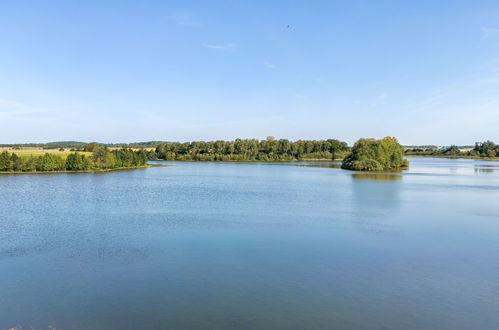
column 376, row 155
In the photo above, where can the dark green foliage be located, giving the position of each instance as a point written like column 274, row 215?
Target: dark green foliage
column 50, row 162
column 78, row 162
column 375, row 155
column 5, row 161
column 487, row 149
column 452, row 151
column 17, row 163
column 91, row 147
column 120, row 158
column 363, row 165
column 424, row 151
column 252, row 150
column 62, row 144
column 148, row 144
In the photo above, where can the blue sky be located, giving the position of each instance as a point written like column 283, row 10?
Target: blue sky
column 426, row 72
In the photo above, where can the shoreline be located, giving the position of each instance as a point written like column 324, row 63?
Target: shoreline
column 228, row 161
column 317, row 159
column 452, row 157
column 104, row 170
column 251, row 160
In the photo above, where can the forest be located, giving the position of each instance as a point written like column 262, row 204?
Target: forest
column 269, row 149
column 101, row 159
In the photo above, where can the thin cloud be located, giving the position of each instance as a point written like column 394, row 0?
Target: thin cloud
column 269, row 65
column 378, row 99
column 13, row 108
column 226, row 47
column 186, row 20
column 488, row 33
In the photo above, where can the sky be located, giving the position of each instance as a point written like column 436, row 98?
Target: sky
column 426, row 72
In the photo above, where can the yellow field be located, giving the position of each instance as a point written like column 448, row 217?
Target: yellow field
column 134, row 149
column 39, row 152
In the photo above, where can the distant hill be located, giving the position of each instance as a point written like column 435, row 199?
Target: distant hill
column 49, row 145
column 63, row 144
column 79, row 144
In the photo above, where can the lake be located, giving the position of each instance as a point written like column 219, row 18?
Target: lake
column 252, row 245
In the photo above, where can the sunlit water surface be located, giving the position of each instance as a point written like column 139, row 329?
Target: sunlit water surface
column 252, row 245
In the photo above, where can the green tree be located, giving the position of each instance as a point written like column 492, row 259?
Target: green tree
column 5, row 161
column 452, row 151
column 91, row 147
column 50, row 162
column 487, row 148
column 18, row 164
column 375, row 155
column 77, row 162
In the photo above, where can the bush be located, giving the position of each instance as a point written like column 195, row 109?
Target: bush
column 376, row 155
column 367, row 165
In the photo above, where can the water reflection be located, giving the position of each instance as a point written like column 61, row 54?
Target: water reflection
column 376, row 198
column 485, row 169
column 323, row 165
column 377, row 176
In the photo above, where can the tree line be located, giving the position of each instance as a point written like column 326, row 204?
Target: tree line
column 101, row 159
column 253, row 150
column 481, row 149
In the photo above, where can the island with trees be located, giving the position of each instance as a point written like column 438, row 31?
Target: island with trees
column 376, row 155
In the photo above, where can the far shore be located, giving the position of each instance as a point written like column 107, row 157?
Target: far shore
column 451, row 157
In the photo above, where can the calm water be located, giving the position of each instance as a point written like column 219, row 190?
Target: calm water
column 252, row 245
